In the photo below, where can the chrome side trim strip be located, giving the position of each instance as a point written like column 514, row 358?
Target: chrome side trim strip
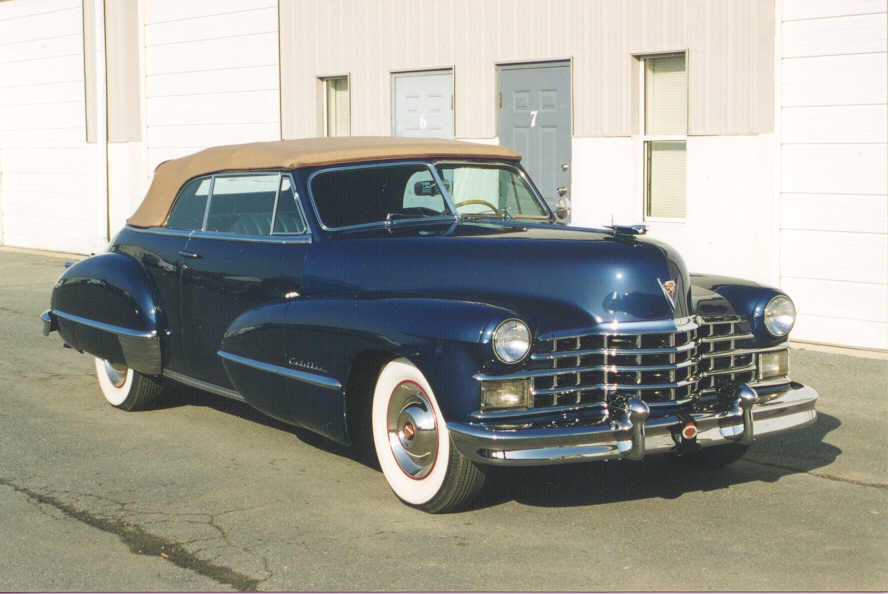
column 276, row 238
column 302, row 376
column 202, row 385
column 146, row 334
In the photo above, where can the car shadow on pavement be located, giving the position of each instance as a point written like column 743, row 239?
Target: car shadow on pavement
column 665, row 477
column 591, row 483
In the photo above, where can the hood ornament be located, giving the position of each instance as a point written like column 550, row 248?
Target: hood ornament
column 668, row 288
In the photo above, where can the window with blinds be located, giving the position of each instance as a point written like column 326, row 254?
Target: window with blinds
column 665, row 112
column 337, row 112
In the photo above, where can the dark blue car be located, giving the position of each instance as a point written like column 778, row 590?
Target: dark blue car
column 418, row 298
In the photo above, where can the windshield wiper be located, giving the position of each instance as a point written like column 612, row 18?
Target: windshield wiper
column 399, row 217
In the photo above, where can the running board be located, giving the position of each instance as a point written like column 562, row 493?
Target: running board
column 202, row 385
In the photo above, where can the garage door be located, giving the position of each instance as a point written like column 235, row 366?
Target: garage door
column 422, row 104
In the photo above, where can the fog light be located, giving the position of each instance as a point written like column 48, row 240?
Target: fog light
column 774, row 364
column 506, row 394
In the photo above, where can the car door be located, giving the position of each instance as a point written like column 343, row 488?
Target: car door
column 248, row 254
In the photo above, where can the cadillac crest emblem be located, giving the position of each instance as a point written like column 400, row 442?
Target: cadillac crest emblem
column 668, row 291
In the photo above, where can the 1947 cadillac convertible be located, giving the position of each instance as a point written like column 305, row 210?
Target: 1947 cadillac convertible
column 419, row 298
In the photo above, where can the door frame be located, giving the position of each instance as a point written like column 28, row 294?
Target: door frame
column 500, row 65
column 419, row 72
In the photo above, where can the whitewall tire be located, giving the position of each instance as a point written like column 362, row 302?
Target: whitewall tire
column 413, row 445
column 125, row 388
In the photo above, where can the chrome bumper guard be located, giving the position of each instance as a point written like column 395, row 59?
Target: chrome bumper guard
column 632, row 432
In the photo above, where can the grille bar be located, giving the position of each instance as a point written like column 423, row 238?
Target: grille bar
column 662, row 368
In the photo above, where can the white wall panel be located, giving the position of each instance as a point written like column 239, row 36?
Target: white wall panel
column 841, row 331
column 177, row 84
column 835, row 168
column 229, row 108
column 834, row 124
column 835, row 80
column 162, row 11
column 862, row 213
column 39, row 25
column 211, row 75
column 843, row 35
column 45, row 164
column 730, row 228
column 813, row 9
column 27, row 51
column 855, row 301
column 830, row 256
column 212, row 54
column 210, row 134
column 262, row 19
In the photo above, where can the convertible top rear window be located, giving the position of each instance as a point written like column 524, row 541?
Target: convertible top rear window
column 362, row 195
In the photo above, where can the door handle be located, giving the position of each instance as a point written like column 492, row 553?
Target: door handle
column 187, row 254
column 562, row 190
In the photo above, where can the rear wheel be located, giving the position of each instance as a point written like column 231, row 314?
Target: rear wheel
column 413, row 445
column 125, row 388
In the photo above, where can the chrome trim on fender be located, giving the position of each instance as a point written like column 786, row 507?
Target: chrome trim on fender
column 302, row 376
column 120, row 330
column 202, row 385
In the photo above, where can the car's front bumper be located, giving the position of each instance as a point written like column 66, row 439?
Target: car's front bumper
column 634, row 431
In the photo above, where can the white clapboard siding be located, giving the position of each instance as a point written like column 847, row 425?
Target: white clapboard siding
column 830, row 212
column 835, row 80
column 834, row 124
column 211, row 75
column 834, row 169
column 46, row 166
column 816, row 9
column 837, row 36
column 164, row 11
column 835, row 255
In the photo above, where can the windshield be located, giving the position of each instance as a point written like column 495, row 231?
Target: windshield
column 376, row 194
column 490, row 190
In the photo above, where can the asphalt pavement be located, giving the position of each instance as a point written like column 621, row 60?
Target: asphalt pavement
column 206, row 494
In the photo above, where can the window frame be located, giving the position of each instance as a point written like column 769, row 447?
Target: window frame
column 324, row 128
column 647, row 139
column 271, row 236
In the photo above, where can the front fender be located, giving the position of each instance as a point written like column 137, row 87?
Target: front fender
column 725, row 295
column 300, row 353
column 106, row 305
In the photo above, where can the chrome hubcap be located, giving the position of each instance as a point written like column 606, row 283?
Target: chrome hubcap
column 412, row 430
column 116, row 373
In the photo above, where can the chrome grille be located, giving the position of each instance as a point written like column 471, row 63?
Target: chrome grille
column 660, row 368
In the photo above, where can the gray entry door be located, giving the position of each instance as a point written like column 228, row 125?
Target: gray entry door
column 534, row 119
column 422, row 104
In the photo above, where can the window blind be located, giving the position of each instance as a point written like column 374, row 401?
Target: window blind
column 665, row 101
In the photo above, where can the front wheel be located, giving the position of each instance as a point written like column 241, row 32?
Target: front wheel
column 125, row 388
column 413, row 445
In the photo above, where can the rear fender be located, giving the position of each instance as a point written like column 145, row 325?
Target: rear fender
column 106, row 305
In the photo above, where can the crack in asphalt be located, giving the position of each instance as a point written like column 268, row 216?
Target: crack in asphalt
column 141, row 542
column 829, row 477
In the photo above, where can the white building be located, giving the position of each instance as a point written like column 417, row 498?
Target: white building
column 751, row 134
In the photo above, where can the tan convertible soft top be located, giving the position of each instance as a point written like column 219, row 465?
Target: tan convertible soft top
column 290, row 154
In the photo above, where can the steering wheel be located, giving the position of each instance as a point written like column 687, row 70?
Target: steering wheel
column 481, row 202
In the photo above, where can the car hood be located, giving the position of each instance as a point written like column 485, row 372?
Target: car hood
column 555, row 277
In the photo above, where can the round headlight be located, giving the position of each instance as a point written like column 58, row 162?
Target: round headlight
column 780, row 315
column 511, row 341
